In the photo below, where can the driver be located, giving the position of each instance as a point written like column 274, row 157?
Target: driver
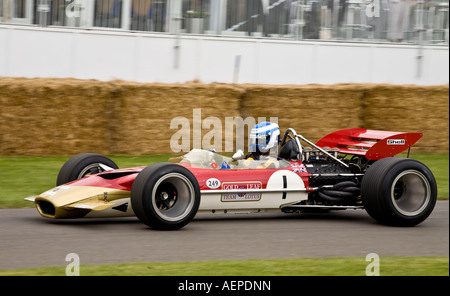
column 263, row 146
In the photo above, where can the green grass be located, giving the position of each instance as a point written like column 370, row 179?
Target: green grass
column 439, row 165
column 353, row 266
column 25, row 175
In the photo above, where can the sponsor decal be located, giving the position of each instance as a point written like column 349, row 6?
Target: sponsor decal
column 396, row 142
column 297, row 168
column 213, row 183
column 225, row 165
column 241, row 196
column 302, row 168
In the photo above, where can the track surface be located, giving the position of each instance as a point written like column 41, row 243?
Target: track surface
column 27, row 240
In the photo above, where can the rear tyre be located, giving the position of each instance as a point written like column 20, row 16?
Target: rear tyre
column 165, row 196
column 399, row 191
column 82, row 165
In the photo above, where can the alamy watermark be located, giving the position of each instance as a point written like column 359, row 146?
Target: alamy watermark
column 73, row 8
column 373, row 8
column 373, row 268
column 220, row 136
column 73, row 268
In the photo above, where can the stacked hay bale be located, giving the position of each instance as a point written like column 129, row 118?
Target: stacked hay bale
column 69, row 116
column 311, row 110
column 143, row 114
column 410, row 108
column 53, row 117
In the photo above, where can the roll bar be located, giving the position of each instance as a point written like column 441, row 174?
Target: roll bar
column 296, row 137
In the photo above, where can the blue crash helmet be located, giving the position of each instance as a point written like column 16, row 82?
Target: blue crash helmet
column 263, row 137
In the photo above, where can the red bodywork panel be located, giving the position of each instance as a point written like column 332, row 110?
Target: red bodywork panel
column 123, row 179
column 372, row 144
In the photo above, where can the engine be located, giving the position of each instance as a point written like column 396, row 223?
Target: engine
column 334, row 183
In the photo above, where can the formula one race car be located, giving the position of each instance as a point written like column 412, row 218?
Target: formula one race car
column 347, row 169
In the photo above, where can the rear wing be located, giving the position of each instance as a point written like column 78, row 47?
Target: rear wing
column 372, row 144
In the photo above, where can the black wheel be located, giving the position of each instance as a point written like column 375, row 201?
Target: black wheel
column 399, row 191
column 165, row 196
column 82, row 165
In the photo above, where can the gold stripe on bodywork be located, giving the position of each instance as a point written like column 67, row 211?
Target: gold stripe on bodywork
column 76, row 201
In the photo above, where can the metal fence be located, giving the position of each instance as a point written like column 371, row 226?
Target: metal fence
column 405, row 21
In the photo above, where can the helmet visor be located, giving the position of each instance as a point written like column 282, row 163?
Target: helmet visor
column 258, row 142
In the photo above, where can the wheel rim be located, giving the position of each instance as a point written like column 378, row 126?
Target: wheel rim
column 173, row 197
column 90, row 169
column 410, row 192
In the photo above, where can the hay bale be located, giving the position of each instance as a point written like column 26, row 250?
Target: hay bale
column 144, row 113
column 410, row 108
column 312, row 110
column 53, row 116
column 70, row 116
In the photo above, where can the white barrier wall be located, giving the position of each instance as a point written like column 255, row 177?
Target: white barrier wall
column 107, row 55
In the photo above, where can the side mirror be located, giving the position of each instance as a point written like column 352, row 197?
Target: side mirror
column 238, row 155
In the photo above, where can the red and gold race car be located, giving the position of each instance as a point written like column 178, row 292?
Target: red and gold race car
column 347, row 169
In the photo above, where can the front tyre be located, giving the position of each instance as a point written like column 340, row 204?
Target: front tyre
column 399, row 191
column 81, row 165
column 165, row 196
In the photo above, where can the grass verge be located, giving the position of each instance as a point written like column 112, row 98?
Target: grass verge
column 353, row 266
